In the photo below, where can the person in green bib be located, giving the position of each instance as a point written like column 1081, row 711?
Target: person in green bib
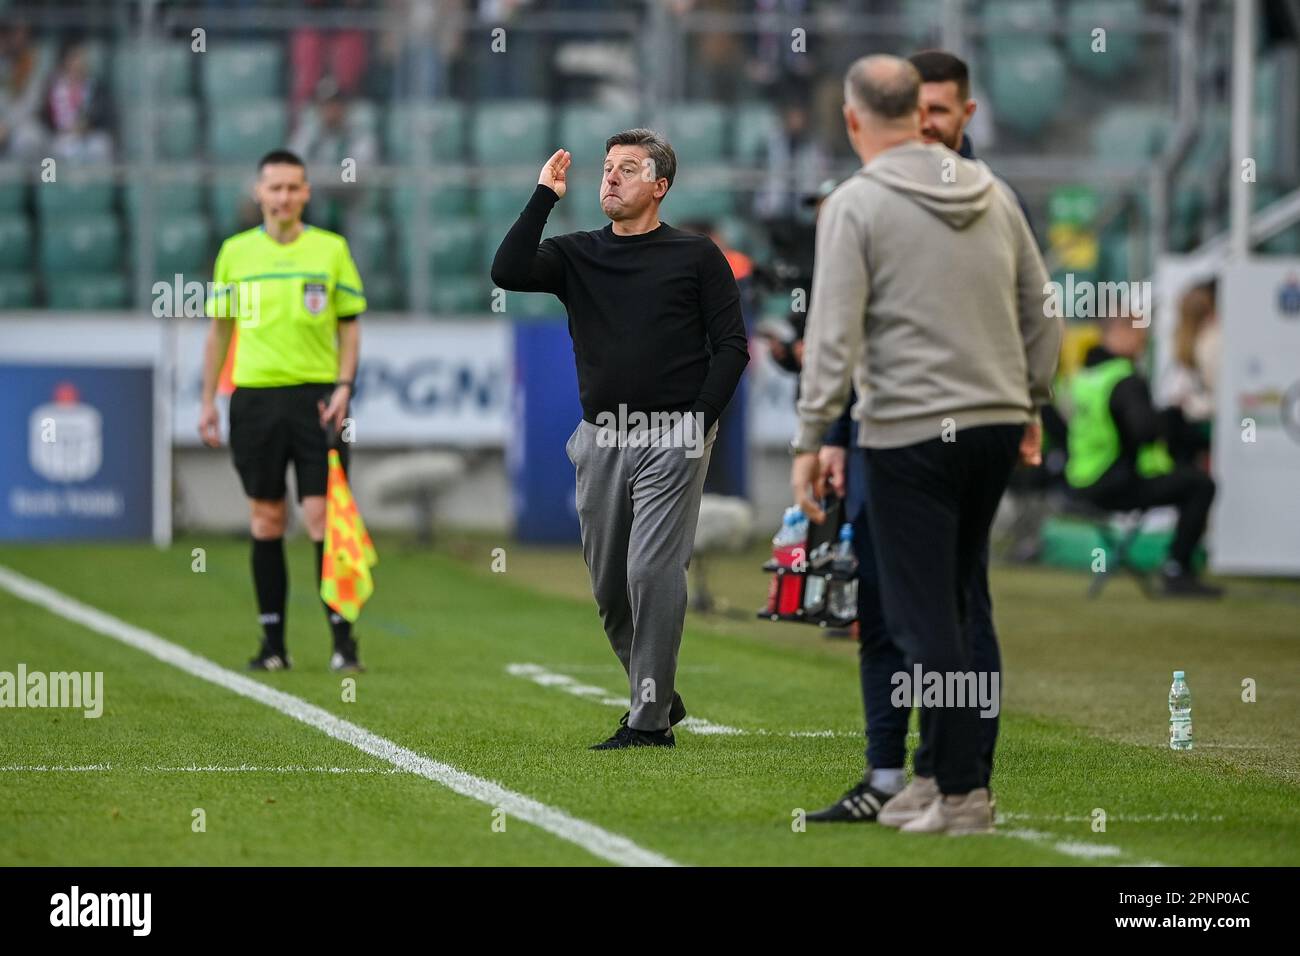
column 1117, row 454
column 293, row 293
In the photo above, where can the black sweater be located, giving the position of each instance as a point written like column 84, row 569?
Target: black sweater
column 655, row 318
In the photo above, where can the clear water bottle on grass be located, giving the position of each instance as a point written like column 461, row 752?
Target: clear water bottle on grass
column 1180, row 713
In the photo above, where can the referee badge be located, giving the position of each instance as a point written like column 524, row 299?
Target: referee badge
column 314, row 297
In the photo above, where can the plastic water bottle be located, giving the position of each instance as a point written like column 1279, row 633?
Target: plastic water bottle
column 1180, row 714
column 844, row 587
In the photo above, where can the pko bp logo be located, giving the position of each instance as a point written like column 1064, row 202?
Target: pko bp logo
column 65, row 437
column 314, row 297
column 1288, row 297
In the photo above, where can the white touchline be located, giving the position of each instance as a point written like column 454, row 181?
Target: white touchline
column 592, row 838
column 549, row 678
column 1074, row 848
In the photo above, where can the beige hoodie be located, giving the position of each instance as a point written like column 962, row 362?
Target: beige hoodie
column 928, row 291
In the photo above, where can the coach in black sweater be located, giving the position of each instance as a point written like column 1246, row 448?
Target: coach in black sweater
column 660, row 345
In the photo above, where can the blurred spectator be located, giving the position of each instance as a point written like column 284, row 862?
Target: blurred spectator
column 326, row 136
column 1187, row 385
column 418, row 51
column 793, row 160
column 21, row 83
column 77, row 108
column 315, row 54
column 717, row 56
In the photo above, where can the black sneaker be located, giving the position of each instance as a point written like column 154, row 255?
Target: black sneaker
column 627, row 736
column 344, row 659
column 858, row 805
column 676, row 712
column 270, row 659
column 1184, row 584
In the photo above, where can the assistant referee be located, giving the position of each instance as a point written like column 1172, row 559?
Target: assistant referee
column 294, row 292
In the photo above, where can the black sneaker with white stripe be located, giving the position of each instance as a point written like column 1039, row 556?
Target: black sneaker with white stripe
column 270, row 659
column 858, row 805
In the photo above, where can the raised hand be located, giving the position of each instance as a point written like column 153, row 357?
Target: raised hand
column 554, row 174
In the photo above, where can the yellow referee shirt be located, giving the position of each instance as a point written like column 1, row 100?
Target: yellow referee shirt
column 288, row 299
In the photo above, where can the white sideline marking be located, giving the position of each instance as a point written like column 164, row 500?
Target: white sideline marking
column 592, row 838
column 548, row 678
column 242, row 768
column 1114, row 817
column 1074, row 848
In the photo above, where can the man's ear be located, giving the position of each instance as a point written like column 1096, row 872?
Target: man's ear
column 970, row 109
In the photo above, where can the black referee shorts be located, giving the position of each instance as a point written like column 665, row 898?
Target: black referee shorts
column 271, row 427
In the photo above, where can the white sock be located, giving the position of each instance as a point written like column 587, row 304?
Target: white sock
column 886, row 781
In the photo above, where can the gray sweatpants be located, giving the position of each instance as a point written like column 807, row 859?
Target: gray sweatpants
column 638, row 507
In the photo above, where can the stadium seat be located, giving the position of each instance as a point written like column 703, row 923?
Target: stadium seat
column 370, row 241
column 503, row 201
column 173, row 128
column 233, row 70
column 1128, row 135
column 90, row 291
column 698, row 132
column 183, row 245
column 1012, row 19
column 452, row 246
column 1026, row 81
column 231, row 207
column 15, row 241
column 244, row 132
column 171, row 197
column 412, row 128
column 17, row 290
column 74, row 194
column 451, row 201
column 755, row 123
column 384, row 291
column 164, row 69
column 583, row 130
column 80, row 244
column 507, row 132
column 453, row 294
column 685, row 202
column 1084, row 16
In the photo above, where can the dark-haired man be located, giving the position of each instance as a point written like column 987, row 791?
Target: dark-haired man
column 296, row 295
column 660, row 346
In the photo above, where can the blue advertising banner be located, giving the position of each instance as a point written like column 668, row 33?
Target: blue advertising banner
column 79, row 452
column 546, row 411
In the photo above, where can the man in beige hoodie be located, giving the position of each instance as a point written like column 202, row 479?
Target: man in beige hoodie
column 928, row 293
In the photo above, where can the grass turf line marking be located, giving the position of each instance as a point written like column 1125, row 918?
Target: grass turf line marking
column 590, row 837
column 242, row 768
column 1074, row 848
column 548, row 678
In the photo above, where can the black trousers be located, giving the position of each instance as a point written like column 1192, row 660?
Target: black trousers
column 1187, row 488
column 931, row 506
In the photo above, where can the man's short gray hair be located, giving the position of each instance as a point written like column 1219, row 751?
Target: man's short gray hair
column 656, row 147
column 887, row 87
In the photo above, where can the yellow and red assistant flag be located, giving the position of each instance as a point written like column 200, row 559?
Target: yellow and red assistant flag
column 345, row 581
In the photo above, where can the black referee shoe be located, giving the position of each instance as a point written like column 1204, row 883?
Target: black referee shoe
column 344, row 659
column 270, row 659
column 676, row 712
column 627, row 736
column 858, row 805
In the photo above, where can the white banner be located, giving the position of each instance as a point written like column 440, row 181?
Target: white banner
column 1257, row 428
column 772, row 417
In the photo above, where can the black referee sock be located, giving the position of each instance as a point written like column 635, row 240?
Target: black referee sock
column 340, row 626
column 271, row 582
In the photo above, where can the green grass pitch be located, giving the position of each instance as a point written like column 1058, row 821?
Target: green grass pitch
column 1084, row 723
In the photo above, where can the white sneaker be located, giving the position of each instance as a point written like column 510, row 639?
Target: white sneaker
column 956, row 815
column 909, row 803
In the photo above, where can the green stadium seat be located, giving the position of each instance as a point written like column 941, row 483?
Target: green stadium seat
column 91, row 243
column 231, row 207
column 443, row 201
column 433, row 129
column 173, row 128
column 74, row 194
column 163, row 67
column 17, row 290
column 234, row 70
column 15, row 241
column 698, row 132
column 460, row 294
column 502, row 202
column 452, row 246
column 755, row 123
column 385, row 292
column 183, row 245
column 1026, row 82
column 245, row 132
column 583, row 130
column 507, row 132
column 370, row 240
column 13, row 191
column 171, row 197
column 1084, row 16
column 685, row 202
column 1018, row 18
column 90, row 291
column 1130, row 134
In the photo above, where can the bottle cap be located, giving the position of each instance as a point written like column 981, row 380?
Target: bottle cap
column 1178, row 675
column 846, row 532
